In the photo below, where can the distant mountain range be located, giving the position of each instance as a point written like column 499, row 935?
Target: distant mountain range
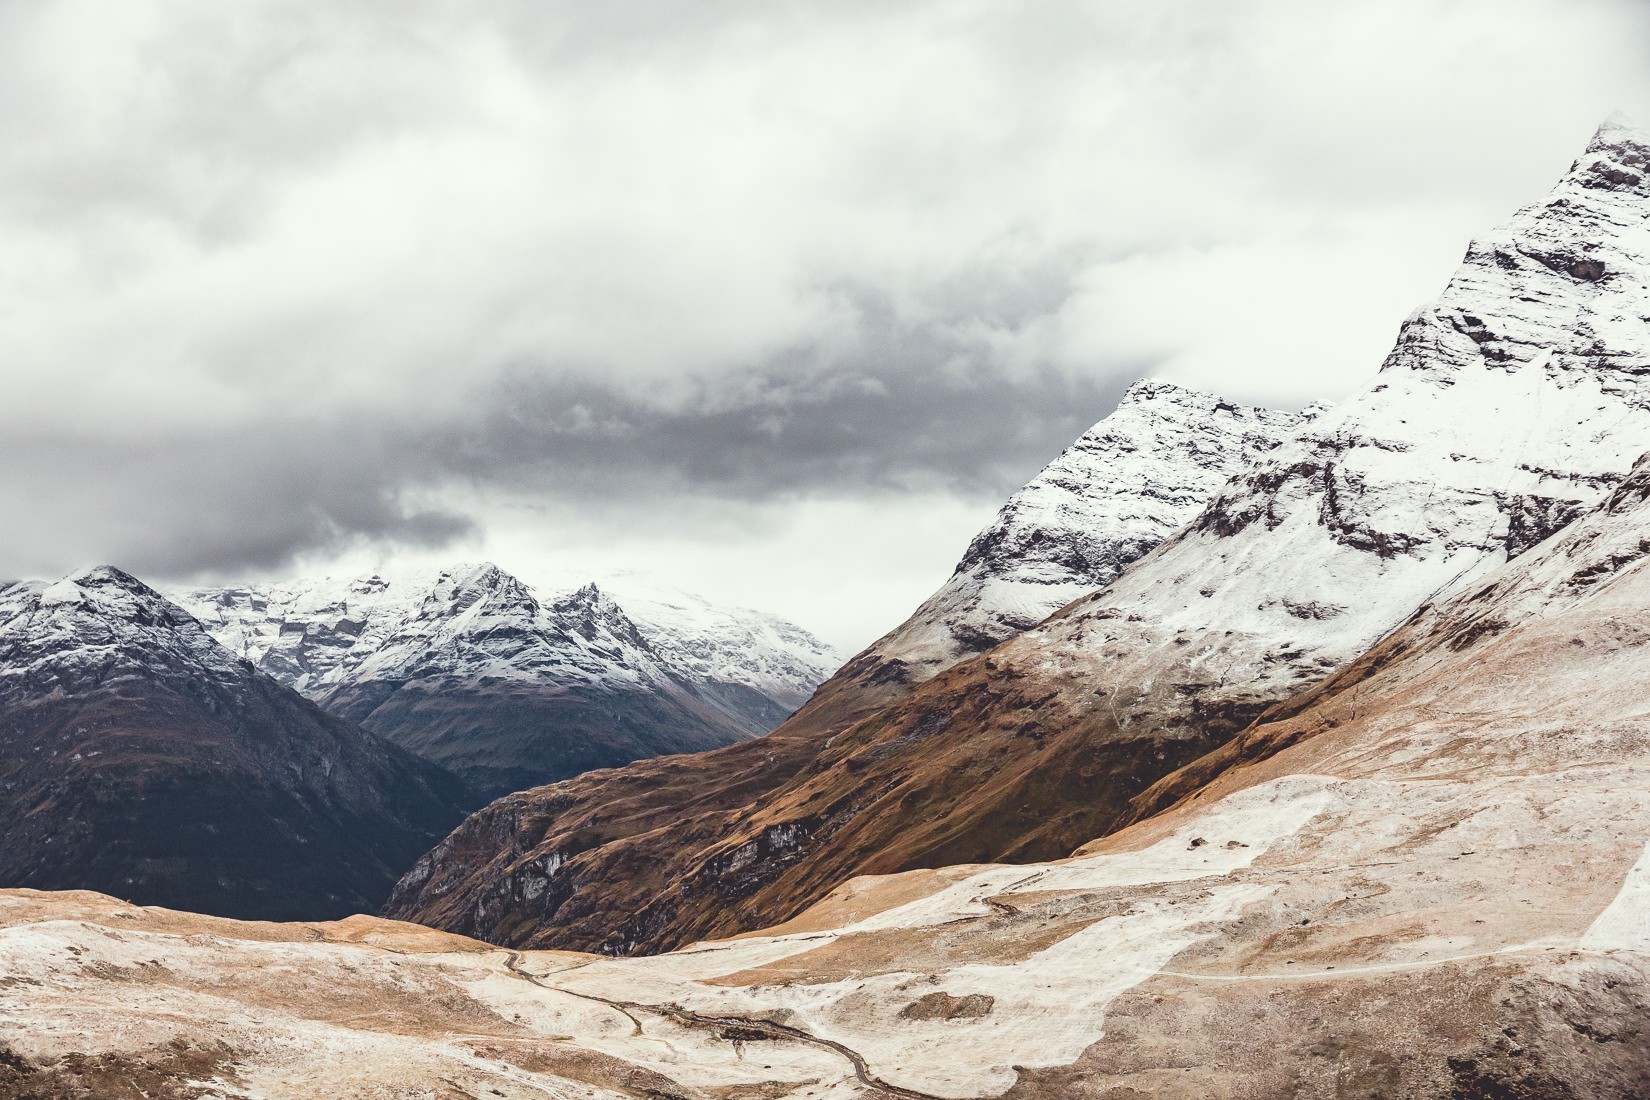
column 469, row 667
column 142, row 756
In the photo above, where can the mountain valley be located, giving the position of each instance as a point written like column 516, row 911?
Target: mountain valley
column 1507, row 407
column 1399, row 886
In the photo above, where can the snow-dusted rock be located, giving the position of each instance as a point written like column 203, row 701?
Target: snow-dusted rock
column 98, row 626
column 1508, row 406
column 471, row 667
column 1124, row 486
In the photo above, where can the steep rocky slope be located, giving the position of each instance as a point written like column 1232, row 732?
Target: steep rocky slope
column 139, row 757
column 470, row 668
column 1428, row 876
column 1516, row 400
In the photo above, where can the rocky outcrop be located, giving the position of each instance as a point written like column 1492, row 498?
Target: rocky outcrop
column 139, row 757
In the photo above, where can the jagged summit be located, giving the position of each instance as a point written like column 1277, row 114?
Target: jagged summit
column 1110, row 497
column 101, row 622
column 98, row 576
column 108, row 586
column 1149, row 389
column 589, row 612
column 1616, row 132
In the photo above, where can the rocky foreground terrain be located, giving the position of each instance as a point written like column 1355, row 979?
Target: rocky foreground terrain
column 1428, row 876
column 1509, row 406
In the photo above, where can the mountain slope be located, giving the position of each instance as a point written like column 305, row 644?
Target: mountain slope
column 755, row 667
column 468, row 667
column 1507, row 407
column 1426, row 877
column 139, row 757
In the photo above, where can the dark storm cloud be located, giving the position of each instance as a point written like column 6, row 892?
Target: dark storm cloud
column 913, row 410
column 201, row 502
column 903, row 409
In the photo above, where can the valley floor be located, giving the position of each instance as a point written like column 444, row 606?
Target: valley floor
column 1238, row 951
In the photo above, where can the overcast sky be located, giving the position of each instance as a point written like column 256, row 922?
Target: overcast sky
column 775, row 302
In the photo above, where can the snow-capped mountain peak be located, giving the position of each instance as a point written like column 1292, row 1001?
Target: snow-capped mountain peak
column 100, row 623
column 1508, row 406
column 1119, row 490
column 1621, row 142
column 139, row 754
column 606, row 681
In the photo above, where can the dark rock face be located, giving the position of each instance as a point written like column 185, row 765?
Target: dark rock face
column 531, row 693
column 139, row 758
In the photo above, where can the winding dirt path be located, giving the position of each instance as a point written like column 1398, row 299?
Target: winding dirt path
column 679, row 1015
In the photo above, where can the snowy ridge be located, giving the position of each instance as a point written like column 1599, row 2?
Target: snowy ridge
column 98, row 626
column 1108, row 499
column 1508, row 406
column 711, row 644
column 509, row 688
column 476, row 623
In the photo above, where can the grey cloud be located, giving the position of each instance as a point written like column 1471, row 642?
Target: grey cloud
column 911, row 408
column 180, row 505
column 906, row 408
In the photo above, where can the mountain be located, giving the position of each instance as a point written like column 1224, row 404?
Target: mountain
column 1130, row 481
column 141, row 758
column 1508, row 407
column 1109, row 498
column 469, row 667
column 1426, row 876
column 756, row 667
